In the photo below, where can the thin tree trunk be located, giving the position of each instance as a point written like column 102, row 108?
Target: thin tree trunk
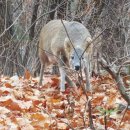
column 6, row 61
column 32, row 31
column 34, row 17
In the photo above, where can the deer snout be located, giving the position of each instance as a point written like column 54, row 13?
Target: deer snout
column 77, row 68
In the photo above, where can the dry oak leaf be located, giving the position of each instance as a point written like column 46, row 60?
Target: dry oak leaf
column 27, row 75
column 8, row 85
column 10, row 104
column 38, row 117
column 55, row 82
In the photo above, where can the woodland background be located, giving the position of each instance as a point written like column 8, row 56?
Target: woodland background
column 22, row 20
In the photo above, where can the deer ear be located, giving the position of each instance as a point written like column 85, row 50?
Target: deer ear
column 88, row 44
column 88, row 39
column 67, row 45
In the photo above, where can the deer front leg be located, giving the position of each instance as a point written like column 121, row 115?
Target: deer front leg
column 87, row 76
column 62, row 78
column 62, row 72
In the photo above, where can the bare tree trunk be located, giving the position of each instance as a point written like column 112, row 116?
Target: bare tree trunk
column 113, row 37
column 6, row 56
column 32, row 31
column 33, row 20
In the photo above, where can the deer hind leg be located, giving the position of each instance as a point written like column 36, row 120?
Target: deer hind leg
column 55, row 69
column 41, row 74
column 62, row 75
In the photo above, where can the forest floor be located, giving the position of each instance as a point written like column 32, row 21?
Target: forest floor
column 24, row 105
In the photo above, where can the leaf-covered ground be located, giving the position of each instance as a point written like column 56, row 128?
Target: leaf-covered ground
column 24, row 105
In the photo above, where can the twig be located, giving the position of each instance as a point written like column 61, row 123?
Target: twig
column 89, row 102
column 121, row 58
column 69, row 38
column 6, row 29
column 74, row 50
column 18, row 6
column 122, row 117
column 15, row 49
column 105, row 120
column 14, row 62
column 125, row 63
column 89, row 43
column 90, row 115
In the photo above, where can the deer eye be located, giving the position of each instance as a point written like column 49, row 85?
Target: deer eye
column 72, row 57
column 82, row 58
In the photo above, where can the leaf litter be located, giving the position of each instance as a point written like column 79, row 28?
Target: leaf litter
column 24, row 105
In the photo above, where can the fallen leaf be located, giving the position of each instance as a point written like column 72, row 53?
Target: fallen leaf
column 27, row 75
column 37, row 116
column 8, row 85
column 62, row 126
column 11, row 105
column 55, row 82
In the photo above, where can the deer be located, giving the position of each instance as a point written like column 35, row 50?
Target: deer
column 66, row 44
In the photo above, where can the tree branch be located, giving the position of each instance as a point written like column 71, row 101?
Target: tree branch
column 116, row 76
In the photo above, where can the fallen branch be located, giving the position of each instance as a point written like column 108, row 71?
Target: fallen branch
column 116, row 76
column 122, row 117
